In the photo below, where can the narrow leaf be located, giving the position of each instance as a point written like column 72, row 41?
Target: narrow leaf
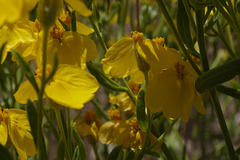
column 27, row 70
column 64, row 25
column 73, row 21
column 82, row 151
column 76, row 154
column 218, row 75
column 60, row 150
column 103, row 79
column 141, row 115
column 130, row 155
column 235, row 93
column 114, row 154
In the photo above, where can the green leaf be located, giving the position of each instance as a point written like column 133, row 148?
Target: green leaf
column 32, row 117
column 27, row 70
column 199, row 4
column 1, row 51
column 183, row 26
column 60, row 150
column 4, row 154
column 218, row 75
column 73, row 21
column 82, row 151
column 114, row 154
column 76, row 154
column 235, row 93
column 104, row 80
column 209, row 24
column 64, row 25
column 141, row 115
column 130, row 155
column 238, row 6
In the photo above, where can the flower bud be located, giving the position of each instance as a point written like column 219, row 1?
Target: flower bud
column 47, row 12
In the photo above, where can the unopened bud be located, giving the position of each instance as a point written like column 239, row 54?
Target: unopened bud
column 47, row 12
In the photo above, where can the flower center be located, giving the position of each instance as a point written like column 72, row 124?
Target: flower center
column 158, row 40
column 114, row 114
column 90, row 117
column 180, row 70
column 134, row 87
column 134, row 125
column 40, row 70
column 3, row 115
column 66, row 18
column 137, row 36
column 57, row 33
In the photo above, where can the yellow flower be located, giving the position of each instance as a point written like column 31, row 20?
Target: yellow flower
column 173, row 92
column 13, row 10
column 120, row 59
column 123, row 101
column 70, row 87
column 73, row 48
column 89, row 125
column 15, row 128
column 16, row 34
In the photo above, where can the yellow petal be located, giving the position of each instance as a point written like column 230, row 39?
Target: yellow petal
column 74, row 49
column 10, row 11
column 19, row 131
column 83, row 29
column 120, row 60
column 157, row 56
column 80, row 7
column 71, row 87
column 198, row 103
column 4, row 133
column 83, row 128
column 173, row 96
column 26, row 91
column 105, row 132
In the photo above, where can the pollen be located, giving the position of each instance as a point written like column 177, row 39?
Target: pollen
column 180, row 70
column 66, row 18
column 47, row 73
column 90, row 117
column 159, row 40
column 137, row 36
column 57, row 33
column 134, row 125
column 114, row 114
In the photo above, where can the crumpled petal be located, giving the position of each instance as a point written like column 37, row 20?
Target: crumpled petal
column 75, row 49
column 155, row 55
column 71, row 86
column 26, row 91
column 4, row 133
column 120, row 61
column 80, row 7
column 19, row 131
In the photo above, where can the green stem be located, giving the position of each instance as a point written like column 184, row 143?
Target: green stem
column 99, row 35
column 176, row 35
column 163, row 135
column 40, row 98
column 201, row 41
column 129, row 91
column 52, row 126
column 95, row 149
column 60, row 125
column 69, row 140
column 77, row 116
column 222, row 123
column 137, row 14
column 190, row 17
column 166, row 151
column 100, row 109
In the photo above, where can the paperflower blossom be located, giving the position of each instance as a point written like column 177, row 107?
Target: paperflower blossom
column 15, row 129
column 122, row 132
column 89, row 125
column 70, row 86
column 120, row 59
column 172, row 89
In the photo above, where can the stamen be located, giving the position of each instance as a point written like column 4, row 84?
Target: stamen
column 38, row 25
column 180, row 70
column 137, row 36
column 114, row 114
column 57, row 33
column 159, row 40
